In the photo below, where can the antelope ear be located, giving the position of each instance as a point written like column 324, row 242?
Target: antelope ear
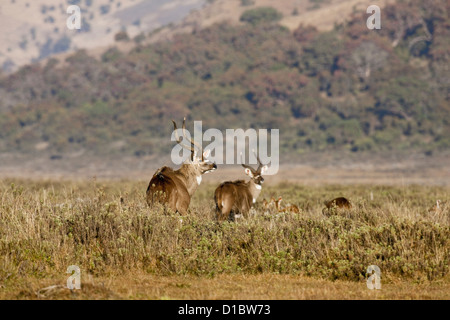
column 264, row 169
column 248, row 172
column 206, row 154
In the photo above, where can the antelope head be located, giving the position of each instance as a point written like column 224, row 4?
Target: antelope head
column 256, row 174
column 198, row 164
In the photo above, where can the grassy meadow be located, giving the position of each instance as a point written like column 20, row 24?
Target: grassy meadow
column 127, row 251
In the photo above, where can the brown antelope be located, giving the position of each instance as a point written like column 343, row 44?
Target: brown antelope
column 289, row 208
column 174, row 188
column 269, row 205
column 340, row 203
column 437, row 208
column 237, row 197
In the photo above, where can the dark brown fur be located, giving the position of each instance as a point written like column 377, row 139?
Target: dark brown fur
column 168, row 188
column 174, row 188
column 340, row 203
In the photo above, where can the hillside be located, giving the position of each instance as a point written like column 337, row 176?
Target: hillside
column 322, row 14
column 346, row 89
column 34, row 30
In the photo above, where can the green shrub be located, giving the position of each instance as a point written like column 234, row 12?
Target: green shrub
column 261, row 15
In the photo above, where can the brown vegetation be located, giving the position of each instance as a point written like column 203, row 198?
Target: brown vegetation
column 110, row 233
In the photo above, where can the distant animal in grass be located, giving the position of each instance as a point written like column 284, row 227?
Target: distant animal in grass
column 437, row 208
column 269, row 206
column 340, row 203
column 275, row 206
column 289, row 208
column 236, row 198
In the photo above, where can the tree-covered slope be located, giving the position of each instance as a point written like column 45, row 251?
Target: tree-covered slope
column 347, row 89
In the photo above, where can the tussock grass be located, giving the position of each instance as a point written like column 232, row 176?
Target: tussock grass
column 107, row 229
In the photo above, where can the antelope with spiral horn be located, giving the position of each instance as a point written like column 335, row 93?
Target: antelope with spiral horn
column 174, row 188
column 237, row 197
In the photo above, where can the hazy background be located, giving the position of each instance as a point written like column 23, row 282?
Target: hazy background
column 352, row 104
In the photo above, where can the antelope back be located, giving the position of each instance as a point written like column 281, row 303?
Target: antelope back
column 340, row 202
column 175, row 188
column 238, row 196
column 232, row 197
column 167, row 189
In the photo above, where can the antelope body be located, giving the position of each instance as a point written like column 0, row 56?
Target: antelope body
column 289, row 208
column 237, row 197
column 276, row 204
column 174, row 188
column 340, row 203
column 269, row 205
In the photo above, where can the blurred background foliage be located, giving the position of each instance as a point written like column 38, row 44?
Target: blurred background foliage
column 349, row 89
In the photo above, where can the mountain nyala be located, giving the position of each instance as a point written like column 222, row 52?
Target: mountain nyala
column 235, row 198
column 340, row 203
column 174, row 188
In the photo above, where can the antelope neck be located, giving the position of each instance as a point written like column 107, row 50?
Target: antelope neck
column 192, row 177
column 255, row 189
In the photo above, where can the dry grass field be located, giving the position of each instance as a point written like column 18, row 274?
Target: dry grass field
column 127, row 251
